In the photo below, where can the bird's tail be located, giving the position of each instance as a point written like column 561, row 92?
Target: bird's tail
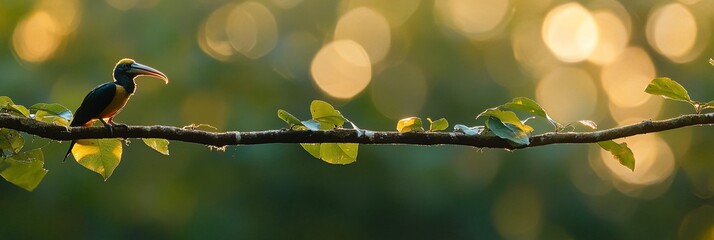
column 71, row 145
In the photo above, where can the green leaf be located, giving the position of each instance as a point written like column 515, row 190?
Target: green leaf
column 621, row 152
column 438, row 125
column 11, row 140
column 528, row 105
column 288, row 118
column 470, row 131
column 7, row 104
column 411, row 124
column 509, row 131
column 312, row 148
column 4, row 101
column 54, row 109
column 326, row 115
column 669, row 89
column 158, row 144
column 25, row 170
column 333, row 153
column 52, row 113
column 43, row 116
column 17, row 110
column 99, row 155
column 339, row 153
column 506, row 117
column 704, row 106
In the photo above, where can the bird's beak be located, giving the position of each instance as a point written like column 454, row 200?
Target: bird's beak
column 141, row 69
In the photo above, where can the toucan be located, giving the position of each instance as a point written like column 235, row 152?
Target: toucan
column 107, row 100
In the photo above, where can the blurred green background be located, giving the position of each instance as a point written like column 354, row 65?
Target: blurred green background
column 232, row 64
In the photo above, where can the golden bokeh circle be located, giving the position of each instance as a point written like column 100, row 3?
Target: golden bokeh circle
column 369, row 29
column 614, row 36
column 673, row 31
column 342, row 69
column 476, row 19
column 570, row 32
column 36, row 37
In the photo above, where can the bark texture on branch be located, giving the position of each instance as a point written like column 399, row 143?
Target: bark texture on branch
column 219, row 139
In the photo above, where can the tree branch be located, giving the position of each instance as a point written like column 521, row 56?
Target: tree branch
column 219, row 139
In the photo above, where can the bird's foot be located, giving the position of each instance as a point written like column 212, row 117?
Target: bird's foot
column 109, row 126
column 111, row 121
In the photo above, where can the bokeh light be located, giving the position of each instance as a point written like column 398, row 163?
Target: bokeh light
column 569, row 94
column 368, row 28
column 212, row 35
column 36, row 38
column 654, row 164
column 400, row 91
column 248, row 28
column 65, row 13
column 518, row 213
column 672, row 30
column 397, row 12
column 252, row 29
column 570, row 32
column 477, row 19
column 625, row 79
column 614, row 35
column 342, row 69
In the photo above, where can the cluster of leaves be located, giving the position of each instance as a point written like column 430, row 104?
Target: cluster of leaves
column 25, row 168
column 501, row 121
column 414, row 124
column 324, row 117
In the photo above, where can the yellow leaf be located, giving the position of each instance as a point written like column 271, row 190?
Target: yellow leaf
column 158, row 144
column 99, row 155
column 411, row 124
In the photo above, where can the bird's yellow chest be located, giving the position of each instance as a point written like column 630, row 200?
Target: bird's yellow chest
column 121, row 96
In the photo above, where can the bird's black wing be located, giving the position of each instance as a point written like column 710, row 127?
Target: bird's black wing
column 94, row 103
